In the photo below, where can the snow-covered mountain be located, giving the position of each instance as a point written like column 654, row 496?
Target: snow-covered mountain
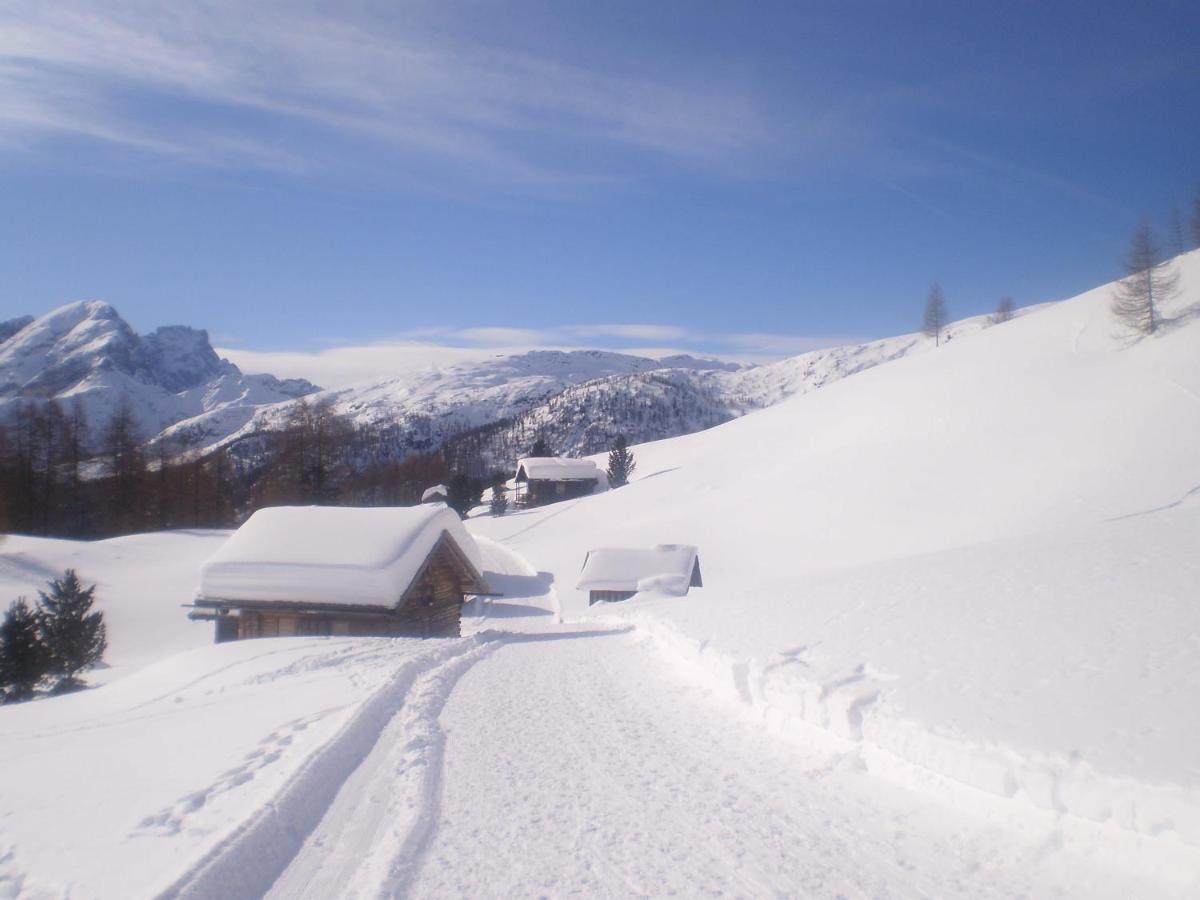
column 87, row 351
column 179, row 388
column 578, row 400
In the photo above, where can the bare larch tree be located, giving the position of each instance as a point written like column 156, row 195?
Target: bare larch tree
column 1004, row 310
column 935, row 313
column 1138, row 298
column 1175, row 232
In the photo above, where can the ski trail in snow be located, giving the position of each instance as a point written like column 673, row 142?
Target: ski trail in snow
column 251, row 858
column 385, row 809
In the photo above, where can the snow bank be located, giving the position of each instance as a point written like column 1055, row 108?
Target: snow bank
column 330, row 555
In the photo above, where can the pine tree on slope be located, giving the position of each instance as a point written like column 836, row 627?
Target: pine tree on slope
column 620, row 463
column 24, row 659
column 75, row 636
column 499, row 498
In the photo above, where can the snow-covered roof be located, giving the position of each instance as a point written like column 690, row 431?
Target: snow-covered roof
column 330, row 555
column 557, row 468
column 670, row 568
column 435, row 492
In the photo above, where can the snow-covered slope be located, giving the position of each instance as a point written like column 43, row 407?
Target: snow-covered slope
column 647, row 406
column 87, row 350
column 979, row 561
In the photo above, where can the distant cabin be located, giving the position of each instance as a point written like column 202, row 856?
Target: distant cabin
column 436, row 494
column 324, row 570
column 546, row 479
column 617, row 573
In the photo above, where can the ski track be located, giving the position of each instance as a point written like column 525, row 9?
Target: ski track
column 251, row 858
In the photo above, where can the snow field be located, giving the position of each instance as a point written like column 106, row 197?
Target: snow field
column 142, row 583
column 170, row 779
column 979, row 561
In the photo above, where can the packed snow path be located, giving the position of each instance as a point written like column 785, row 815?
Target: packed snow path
column 553, row 763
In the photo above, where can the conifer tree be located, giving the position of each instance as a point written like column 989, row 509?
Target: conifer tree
column 935, row 313
column 620, row 463
column 540, row 447
column 499, row 498
column 1004, row 310
column 1138, row 298
column 24, row 660
column 462, row 493
column 75, row 636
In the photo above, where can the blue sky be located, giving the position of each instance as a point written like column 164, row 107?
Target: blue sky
column 748, row 179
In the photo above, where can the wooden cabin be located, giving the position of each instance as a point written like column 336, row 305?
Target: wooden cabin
column 393, row 571
column 548, row 479
column 617, row 573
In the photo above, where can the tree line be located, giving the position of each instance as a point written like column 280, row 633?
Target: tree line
column 63, row 476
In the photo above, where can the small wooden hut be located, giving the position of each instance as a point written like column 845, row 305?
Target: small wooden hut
column 617, row 573
column 547, row 479
column 314, row 570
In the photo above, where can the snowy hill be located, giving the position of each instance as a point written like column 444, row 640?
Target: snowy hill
column 646, row 406
column 87, row 350
column 979, row 561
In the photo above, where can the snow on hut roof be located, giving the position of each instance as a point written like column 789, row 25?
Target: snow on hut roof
column 670, row 568
column 438, row 490
column 330, row 555
column 557, row 468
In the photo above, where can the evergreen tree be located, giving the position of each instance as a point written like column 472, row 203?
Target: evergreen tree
column 540, row 447
column 935, row 313
column 463, row 493
column 1138, row 297
column 24, row 659
column 74, row 635
column 499, row 497
column 620, row 463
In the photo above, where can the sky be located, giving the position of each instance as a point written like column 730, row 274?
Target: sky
column 309, row 180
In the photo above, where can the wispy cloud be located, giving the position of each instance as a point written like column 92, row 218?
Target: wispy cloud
column 252, row 77
column 435, row 348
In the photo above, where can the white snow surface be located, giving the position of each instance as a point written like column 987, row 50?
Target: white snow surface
column 666, row 568
column 556, row 468
column 330, row 555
